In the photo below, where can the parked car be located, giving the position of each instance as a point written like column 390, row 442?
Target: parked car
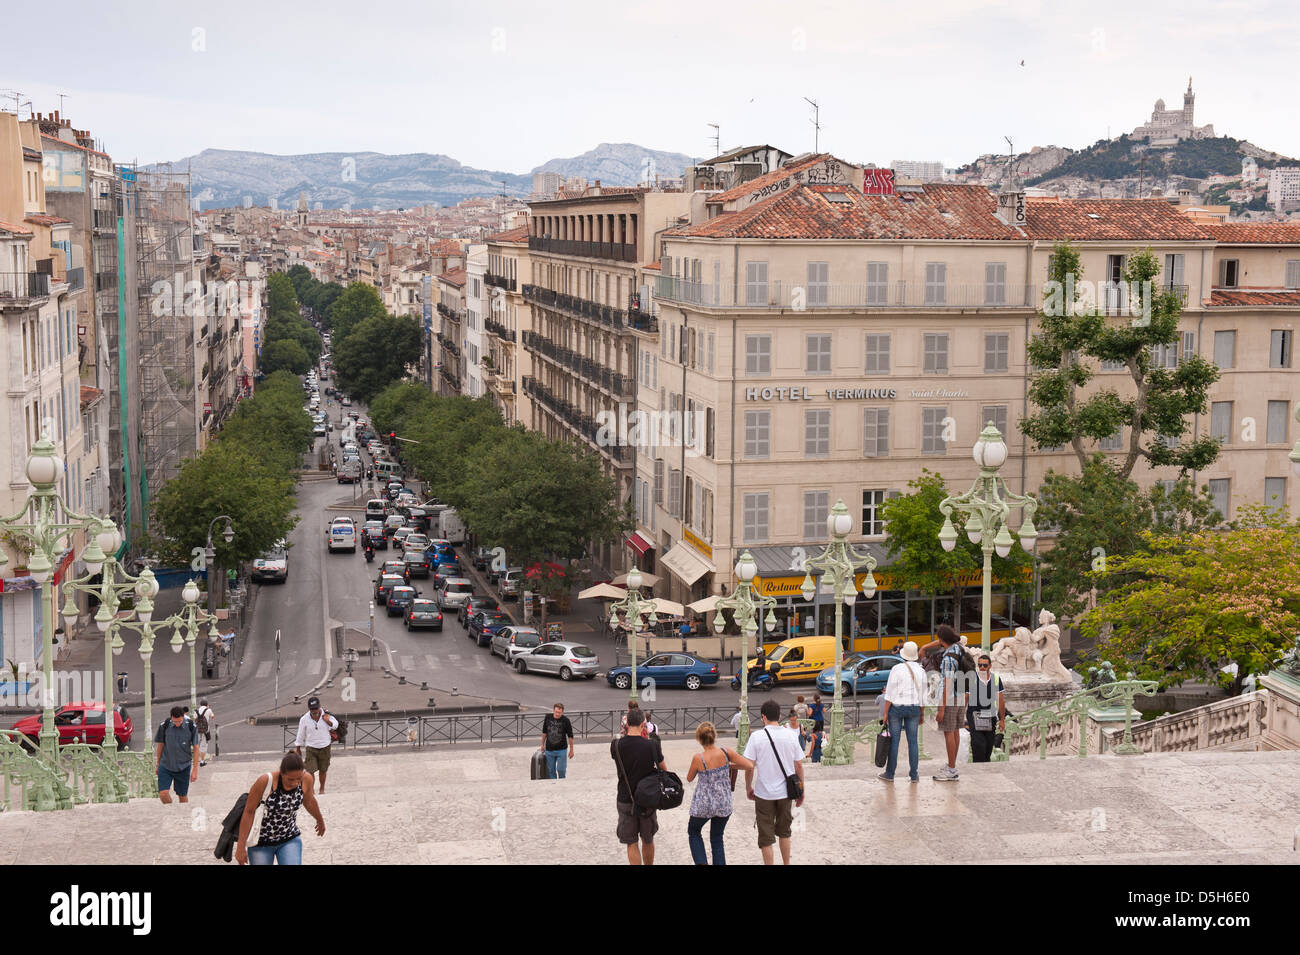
column 400, row 598
column 417, row 565
column 510, row 641
column 561, row 658
column 667, row 670
column 423, row 613
column 472, row 606
column 482, row 558
column 386, row 583
column 868, row 674
column 319, row 431
column 455, row 591
column 273, row 565
column 484, row 625
column 80, row 722
column 509, row 583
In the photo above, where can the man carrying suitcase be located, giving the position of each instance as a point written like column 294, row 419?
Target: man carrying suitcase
column 557, row 736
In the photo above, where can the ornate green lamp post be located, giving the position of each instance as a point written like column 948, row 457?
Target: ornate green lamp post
column 839, row 562
column 48, row 534
column 746, row 608
column 987, row 504
column 146, row 588
column 637, row 611
column 190, row 618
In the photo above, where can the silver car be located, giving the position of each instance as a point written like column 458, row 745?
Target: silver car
column 562, row 659
column 455, row 592
column 509, row 642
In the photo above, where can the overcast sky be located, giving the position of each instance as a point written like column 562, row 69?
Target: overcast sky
column 507, row 86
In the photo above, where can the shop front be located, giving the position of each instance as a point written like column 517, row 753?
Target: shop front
column 689, row 563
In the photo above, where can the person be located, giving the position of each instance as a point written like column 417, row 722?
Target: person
column 557, row 732
column 800, row 708
column 818, row 713
column 814, row 749
column 636, row 757
column 980, row 713
column 952, row 700
column 684, row 629
column 176, row 758
column 204, row 724
column 711, row 801
column 735, row 719
column 775, row 753
column 792, row 721
column 903, row 697
column 279, row 840
column 314, row 732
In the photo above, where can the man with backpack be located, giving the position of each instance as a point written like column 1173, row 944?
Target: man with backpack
column 954, row 664
column 175, row 757
column 636, row 757
column 557, row 735
column 203, row 723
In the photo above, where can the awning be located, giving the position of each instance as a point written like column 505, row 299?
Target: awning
column 640, row 543
column 686, row 564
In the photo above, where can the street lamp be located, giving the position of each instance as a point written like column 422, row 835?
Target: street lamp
column 988, row 503
column 746, row 606
column 210, row 552
column 840, row 562
column 191, row 617
column 638, row 612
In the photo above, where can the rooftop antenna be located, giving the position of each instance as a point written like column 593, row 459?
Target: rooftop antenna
column 1011, row 161
column 62, row 97
column 717, row 138
column 816, row 121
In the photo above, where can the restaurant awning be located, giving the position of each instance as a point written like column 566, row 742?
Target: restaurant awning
column 640, row 543
column 686, row 564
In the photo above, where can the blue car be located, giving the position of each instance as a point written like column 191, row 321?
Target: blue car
column 667, row 670
column 861, row 673
column 484, row 624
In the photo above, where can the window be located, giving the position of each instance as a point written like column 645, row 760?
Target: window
column 659, row 481
column 758, row 432
column 1278, row 413
column 755, row 283
column 936, row 278
column 758, row 354
column 932, row 420
column 1114, row 442
column 877, row 355
column 996, row 414
column 755, row 518
column 1189, row 345
column 997, row 348
column 936, row 354
column 1275, row 493
column 708, row 432
column 818, row 354
column 1293, row 273
column 1229, row 273
column 1221, row 421
column 818, row 283
column 1279, row 348
column 817, row 432
column 1115, row 298
column 1164, row 356
column 872, row 525
column 1220, row 493
column 1225, row 348
column 1108, row 364
column 877, row 283
column 816, row 507
column 1173, row 277
column 875, row 432
column 995, row 283
column 675, row 493
column 710, row 353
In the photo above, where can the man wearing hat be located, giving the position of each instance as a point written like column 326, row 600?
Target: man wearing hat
column 904, row 696
column 314, row 733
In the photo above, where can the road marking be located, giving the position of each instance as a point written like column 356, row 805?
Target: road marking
column 408, row 663
column 314, row 667
column 478, row 662
column 430, row 659
column 454, row 657
column 264, row 670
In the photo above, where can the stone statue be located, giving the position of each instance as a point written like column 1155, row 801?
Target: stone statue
column 1034, row 655
column 1047, row 639
column 1291, row 661
column 1014, row 654
column 1102, row 674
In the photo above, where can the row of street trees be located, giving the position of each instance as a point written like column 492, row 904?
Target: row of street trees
column 289, row 342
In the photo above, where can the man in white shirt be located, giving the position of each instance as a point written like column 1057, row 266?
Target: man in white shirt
column 204, row 722
column 776, row 753
column 902, row 700
column 314, row 733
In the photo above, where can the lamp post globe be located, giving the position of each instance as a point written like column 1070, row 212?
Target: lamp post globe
column 634, row 579
column 43, row 465
column 190, row 593
column 990, row 451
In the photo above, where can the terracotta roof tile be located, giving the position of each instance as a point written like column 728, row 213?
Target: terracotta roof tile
column 1256, row 233
column 656, row 264
column 453, row 277
column 776, row 175
column 89, row 396
column 15, row 229
column 1082, row 220
column 45, row 220
column 1238, row 297
column 511, row 235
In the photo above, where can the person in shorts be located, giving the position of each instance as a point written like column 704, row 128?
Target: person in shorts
column 314, row 736
column 952, row 701
column 176, row 758
column 776, row 753
column 636, row 757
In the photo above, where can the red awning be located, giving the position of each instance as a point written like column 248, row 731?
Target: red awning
column 640, row 543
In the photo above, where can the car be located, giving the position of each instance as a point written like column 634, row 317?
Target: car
column 417, row 541
column 508, row 642
column 384, row 584
column 375, row 509
column 392, row 522
column 80, row 722
column 423, row 613
column 400, row 597
column 455, row 591
column 560, row 658
column 472, row 606
column 447, row 566
column 354, row 416
column 347, row 402
column 400, row 534
column 396, row 567
column 417, row 565
column 482, row 558
column 484, row 624
column 392, row 492
column 509, row 583
column 273, row 565
column 342, row 535
column 867, row 674
column 441, row 575
column 376, row 531
column 667, row 670
column 350, row 471
column 319, row 431
column 418, row 517
column 443, row 550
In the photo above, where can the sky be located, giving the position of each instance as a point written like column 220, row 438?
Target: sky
column 508, row 85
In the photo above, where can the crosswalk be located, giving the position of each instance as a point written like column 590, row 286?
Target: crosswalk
column 408, row 662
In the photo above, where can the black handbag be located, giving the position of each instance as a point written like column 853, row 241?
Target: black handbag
column 882, row 748
column 793, row 784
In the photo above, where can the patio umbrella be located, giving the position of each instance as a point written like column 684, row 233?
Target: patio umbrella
column 707, row 605
column 603, row 591
column 647, row 580
column 668, row 608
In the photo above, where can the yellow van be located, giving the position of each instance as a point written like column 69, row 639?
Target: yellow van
column 800, row 658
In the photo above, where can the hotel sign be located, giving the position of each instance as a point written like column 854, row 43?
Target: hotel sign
column 798, row 393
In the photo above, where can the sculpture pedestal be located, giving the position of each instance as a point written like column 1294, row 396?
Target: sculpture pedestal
column 1282, row 718
column 1027, row 691
column 1101, row 719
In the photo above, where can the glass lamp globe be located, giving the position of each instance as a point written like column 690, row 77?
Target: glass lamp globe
column 990, row 451
column 746, row 568
column 633, row 579
column 975, row 528
column 838, row 522
column 190, row 593
column 229, row 532
column 39, row 566
column 869, row 585
column 43, row 467
column 1002, row 543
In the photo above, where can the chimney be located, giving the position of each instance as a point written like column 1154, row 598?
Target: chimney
column 594, row 190
column 1011, row 203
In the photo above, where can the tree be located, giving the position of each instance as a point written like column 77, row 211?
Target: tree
column 376, row 353
column 1076, row 333
column 1189, row 605
column 399, row 406
column 353, row 306
column 284, row 354
column 916, row 555
column 1100, row 515
column 280, row 296
column 301, row 278
column 451, row 433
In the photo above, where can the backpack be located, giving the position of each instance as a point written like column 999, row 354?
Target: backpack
column 201, row 724
column 964, row 661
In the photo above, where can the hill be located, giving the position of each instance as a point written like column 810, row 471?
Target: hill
column 1122, row 158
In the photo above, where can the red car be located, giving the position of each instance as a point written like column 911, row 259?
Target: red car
column 80, row 723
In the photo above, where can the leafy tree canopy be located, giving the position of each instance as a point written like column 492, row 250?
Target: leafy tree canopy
column 377, row 353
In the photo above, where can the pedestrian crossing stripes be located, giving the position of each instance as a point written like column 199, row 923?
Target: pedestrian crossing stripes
column 264, row 669
column 454, row 657
column 408, row 663
column 430, row 659
column 315, row 666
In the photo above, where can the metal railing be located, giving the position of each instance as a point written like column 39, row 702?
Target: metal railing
column 24, row 286
column 1063, row 727
column 76, row 278
column 590, row 311
column 499, row 281
column 618, row 251
column 801, row 297
column 80, row 773
column 592, row 371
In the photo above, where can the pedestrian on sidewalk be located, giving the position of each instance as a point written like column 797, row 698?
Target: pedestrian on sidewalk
column 903, row 698
column 952, row 702
column 817, row 712
column 800, row 708
column 279, row 840
column 776, row 755
column 987, row 710
column 711, row 801
column 177, row 756
column 203, row 724
column 636, row 757
column 314, row 733
column 557, row 735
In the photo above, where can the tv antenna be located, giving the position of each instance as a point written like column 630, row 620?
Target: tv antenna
column 1011, row 161
column 816, row 121
column 717, row 138
column 62, row 97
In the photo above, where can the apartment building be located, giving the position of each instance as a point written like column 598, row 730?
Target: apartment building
column 475, row 307
column 451, row 334
column 507, row 316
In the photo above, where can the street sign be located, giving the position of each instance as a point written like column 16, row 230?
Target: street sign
column 554, row 631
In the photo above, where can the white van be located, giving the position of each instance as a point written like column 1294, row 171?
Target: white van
column 450, row 526
column 342, row 535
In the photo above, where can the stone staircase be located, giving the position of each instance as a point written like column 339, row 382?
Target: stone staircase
column 477, row 805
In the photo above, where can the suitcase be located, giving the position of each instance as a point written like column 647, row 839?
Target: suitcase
column 537, row 767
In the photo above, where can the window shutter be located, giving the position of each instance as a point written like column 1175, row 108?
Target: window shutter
column 1293, row 273
column 1189, row 345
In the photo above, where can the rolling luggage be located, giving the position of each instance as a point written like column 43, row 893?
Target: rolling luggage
column 537, row 767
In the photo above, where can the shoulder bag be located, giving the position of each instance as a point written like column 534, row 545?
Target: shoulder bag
column 793, row 784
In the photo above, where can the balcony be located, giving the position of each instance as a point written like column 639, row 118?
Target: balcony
column 451, row 314
column 590, row 370
column 876, row 295
column 499, row 281
column 618, row 251
column 76, row 279
column 593, row 312
column 103, row 220
column 583, row 424
column 23, row 289
column 500, row 331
